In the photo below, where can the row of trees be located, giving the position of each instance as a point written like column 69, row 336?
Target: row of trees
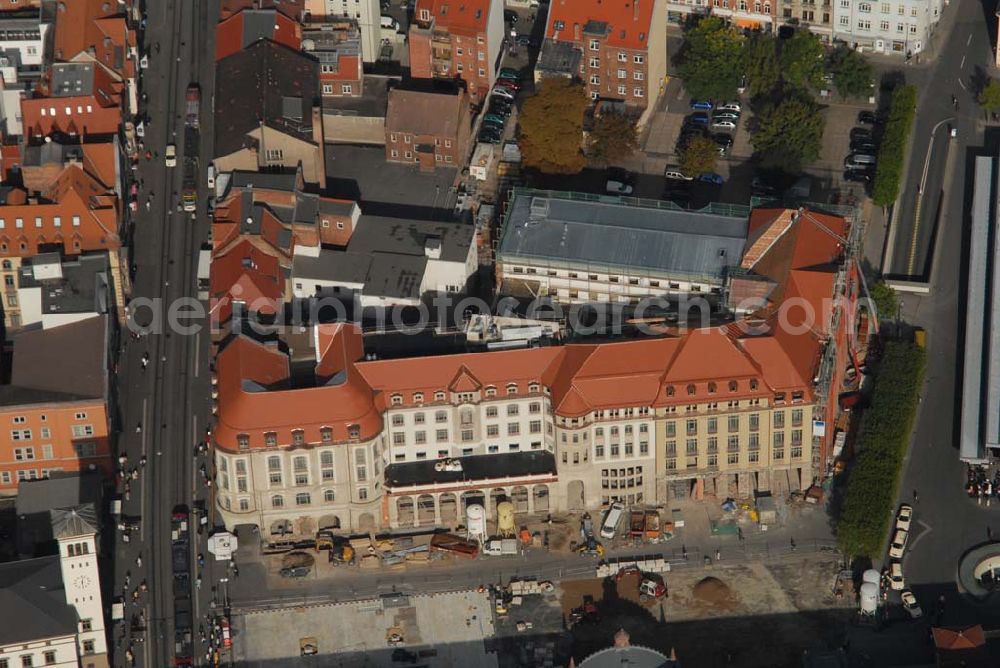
column 885, row 432
column 551, row 125
column 781, row 77
column 892, row 151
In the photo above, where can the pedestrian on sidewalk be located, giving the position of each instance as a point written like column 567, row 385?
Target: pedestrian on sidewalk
column 718, row 554
column 792, row 541
column 916, row 498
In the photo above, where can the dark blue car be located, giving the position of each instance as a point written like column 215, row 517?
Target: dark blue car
column 700, row 118
column 703, row 105
column 711, row 177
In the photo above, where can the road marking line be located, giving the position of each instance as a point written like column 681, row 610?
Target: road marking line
column 960, row 83
column 144, row 432
column 916, row 540
column 912, row 257
column 194, row 469
column 142, row 492
column 969, row 41
column 962, row 64
column 196, row 352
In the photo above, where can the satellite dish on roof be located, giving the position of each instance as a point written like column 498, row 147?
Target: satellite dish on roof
column 308, row 45
column 48, row 140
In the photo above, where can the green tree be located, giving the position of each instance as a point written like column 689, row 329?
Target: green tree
column 699, row 156
column 892, row 150
column 552, row 127
column 885, row 301
column 989, row 97
column 802, row 58
column 710, row 59
column 760, row 58
column 852, row 73
column 789, row 133
column 612, row 138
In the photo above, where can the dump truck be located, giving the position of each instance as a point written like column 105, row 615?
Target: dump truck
column 501, row 547
column 637, row 524
column 652, row 525
column 452, row 544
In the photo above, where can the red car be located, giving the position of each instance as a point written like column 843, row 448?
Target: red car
column 509, row 83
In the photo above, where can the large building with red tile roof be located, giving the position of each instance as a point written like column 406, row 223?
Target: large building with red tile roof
column 311, row 433
column 460, row 39
column 242, row 29
column 622, row 47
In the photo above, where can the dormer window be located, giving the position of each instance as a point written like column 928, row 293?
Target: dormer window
column 326, row 433
column 491, row 391
column 396, row 400
column 711, row 388
column 353, row 431
column 691, row 389
column 533, row 388
column 753, row 384
column 439, row 396
column 298, row 437
column 558, row 25
column 243, row 441
column 733, row 386
column 670, row 390
column 418, row 397
column 270, row 439
column 511, row 389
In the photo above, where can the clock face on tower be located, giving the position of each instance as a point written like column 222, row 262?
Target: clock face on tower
column 81, row 582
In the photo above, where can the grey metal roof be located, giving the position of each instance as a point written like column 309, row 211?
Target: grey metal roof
column 70, row 522
column 559, row 58
column 60, row 490
column 636, row 236
column 69, row 79
column 973, row 436
column 83, row 287
column 332, row 265
column 34, row 590
column 283, row 180
column 408, row 237
column 395, row 275
column 257, row 24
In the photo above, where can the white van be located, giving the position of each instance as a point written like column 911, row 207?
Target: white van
column 211, row 177
column 611, row 521
column 389, row 22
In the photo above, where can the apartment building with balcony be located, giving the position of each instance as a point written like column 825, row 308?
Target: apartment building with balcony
column 337, row 47
column 901, row 27
column 749, row 14
column 311, row 433
column 622, row 45
column 578, row 248
column 457, row 39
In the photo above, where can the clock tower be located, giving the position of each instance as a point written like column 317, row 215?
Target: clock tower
column 75, row 531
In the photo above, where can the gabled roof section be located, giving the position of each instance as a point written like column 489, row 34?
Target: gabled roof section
column 96, row 28
column 707, row 354
column 625, row 23
column 293, row 9
column 250, row 25
column 462, row 17
column 246, row 274
column 464, row 381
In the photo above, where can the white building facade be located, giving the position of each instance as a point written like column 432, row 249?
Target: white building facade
column 896, row 27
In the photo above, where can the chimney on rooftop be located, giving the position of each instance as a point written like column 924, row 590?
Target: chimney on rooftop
column 635, row 10
column 576, row 32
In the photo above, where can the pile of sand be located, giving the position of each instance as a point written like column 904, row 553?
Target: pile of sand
column 713, row 591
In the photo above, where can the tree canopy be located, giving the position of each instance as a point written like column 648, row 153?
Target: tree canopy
column 710, row 60
column 802, row 60
column 789, row 133
column 989, row 97
column 852, row 73
column 551, row 125
column 699, row 156
column 612, row 138
column 761, row 64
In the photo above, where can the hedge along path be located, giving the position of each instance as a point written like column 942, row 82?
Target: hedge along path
column 892, row 151
column 885, row 434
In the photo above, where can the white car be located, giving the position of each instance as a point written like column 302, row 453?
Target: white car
column 730, row 106
column 724, row 125
column 170, row 156
column 613, row 187
column 904, row 517
column 506, row 93
column 896, row 581
column 451, row 465
column 677, row 175
column 910, row 604
column 898, row 544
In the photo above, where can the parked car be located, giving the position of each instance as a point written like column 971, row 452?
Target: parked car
column 859, row 161
column 712, row 178
column 857, row 176
column 860, row 133
column 509, row 83
column 170, row 155
column 904, row 517
column 509, row 73
column 724, row 125
column 701, row 105
column 527, row 41
column 500, row 106
column 723, row 141
column 864, row 147
column 492, row 126
column 676, row 174
column 730, row 106
column 898, row 544
column 490, row 136
column 295, row 572
column 867, row 118
column 759, row 186
column 910, row 604
column 510, row 16
column 505, row 93
column 494, row 118
column 726, row 116
column 613, row 187
column 700, row 118
column 896, row 581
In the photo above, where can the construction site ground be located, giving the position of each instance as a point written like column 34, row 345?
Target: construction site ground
column 748, row 615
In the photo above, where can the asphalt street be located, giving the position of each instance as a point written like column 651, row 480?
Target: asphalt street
column 165, row 407
column 963, row 56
